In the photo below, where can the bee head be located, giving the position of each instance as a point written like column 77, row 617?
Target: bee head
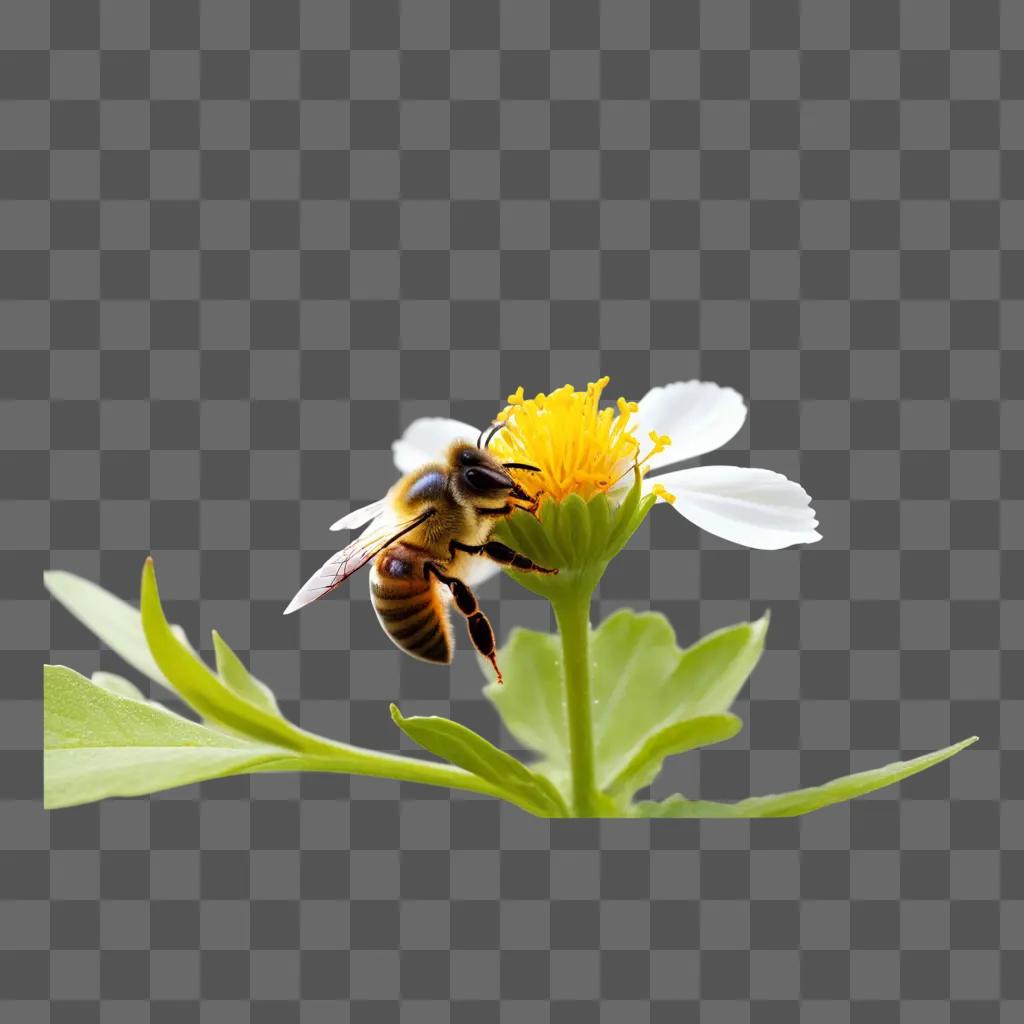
column 478, row 474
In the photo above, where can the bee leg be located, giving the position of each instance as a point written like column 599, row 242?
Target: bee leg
column 502, row 554
column 480, row 631
column 530, row 503
column 534, row 504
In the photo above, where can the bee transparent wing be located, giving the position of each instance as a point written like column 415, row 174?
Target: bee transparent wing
column 344, row 563
column 361, row 516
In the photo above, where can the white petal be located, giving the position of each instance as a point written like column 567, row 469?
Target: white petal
column 698, row 415
column 479, row 570
column 427, row 440
column 754, row 507
column 360, row 516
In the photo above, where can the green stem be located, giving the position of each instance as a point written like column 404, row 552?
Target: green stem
column 573, row 617
column 386, row 766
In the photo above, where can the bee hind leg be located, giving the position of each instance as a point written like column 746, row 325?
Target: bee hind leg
column 502, row 554
column 480, row 631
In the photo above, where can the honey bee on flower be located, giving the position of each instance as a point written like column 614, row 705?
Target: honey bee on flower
column 459, row 483
column 552, row 489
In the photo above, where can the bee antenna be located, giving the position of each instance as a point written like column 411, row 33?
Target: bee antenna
column 479, row 440
column 494, row 430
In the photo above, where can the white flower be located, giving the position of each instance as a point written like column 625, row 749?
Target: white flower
column 757, row 508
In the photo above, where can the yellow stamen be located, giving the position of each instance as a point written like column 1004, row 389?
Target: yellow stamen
column 659, row 491
column 577, row 447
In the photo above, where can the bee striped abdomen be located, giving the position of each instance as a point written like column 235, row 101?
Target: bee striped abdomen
column 409, row 606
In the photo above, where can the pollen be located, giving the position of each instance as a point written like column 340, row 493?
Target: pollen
column 577, row 446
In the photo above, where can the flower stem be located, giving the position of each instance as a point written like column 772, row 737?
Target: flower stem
column 573, row 617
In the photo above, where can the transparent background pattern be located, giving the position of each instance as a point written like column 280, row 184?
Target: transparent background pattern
column 244, row 244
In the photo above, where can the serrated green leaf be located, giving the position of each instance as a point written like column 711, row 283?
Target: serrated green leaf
column 468, row 750
column 631, row 654
column 99, row 744
column 644, row 765
column 114, row 621
column 800, row 801
column 642, row 684
column 236, row 675
column 711, row 673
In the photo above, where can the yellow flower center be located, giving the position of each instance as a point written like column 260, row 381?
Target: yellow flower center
column 577, row 447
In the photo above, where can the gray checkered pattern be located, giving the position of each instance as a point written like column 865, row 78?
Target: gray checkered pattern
column 245, row 244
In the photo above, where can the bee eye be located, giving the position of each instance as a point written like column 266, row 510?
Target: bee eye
column 480, row 479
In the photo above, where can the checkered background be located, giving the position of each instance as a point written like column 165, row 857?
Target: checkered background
column 245, row 244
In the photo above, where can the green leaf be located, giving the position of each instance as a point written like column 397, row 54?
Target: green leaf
column 99, row 744
column 677, row 738
column 466, row 749
column 642, row 683
column 114, row 621
column 205, row 692
column 531, row 703
column 241, row 734
column 236, row 675
column 644, row 690
column 711, row 673
column 800, row 801
column 117, row 685
column 119, row 626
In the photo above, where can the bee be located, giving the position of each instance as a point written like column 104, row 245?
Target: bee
column 421, row 538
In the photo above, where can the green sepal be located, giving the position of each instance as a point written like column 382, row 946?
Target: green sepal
column 799, row 801
column 577, row 537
